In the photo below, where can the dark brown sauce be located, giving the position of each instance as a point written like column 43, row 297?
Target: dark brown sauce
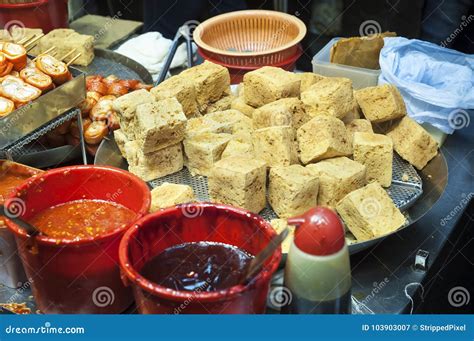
column 201, row 266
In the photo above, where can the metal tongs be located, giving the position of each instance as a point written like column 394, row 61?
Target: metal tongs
column 184, row 32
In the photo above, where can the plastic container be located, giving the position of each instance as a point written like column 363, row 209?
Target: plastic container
column 44, row 14
column 192, row 223
column 77, row 276
column 361, row 77
column 251, row 37
column 12, row 274
column 237, row 72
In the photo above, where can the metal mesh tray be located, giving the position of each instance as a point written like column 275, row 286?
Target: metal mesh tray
column 30, row 151
column 405, row 189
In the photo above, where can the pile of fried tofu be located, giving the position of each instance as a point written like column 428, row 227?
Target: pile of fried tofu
column 293, row 141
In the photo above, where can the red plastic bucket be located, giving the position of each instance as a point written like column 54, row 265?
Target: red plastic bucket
column 82, row 276
column 45, row 14
column 192, row 223
column 237, row 72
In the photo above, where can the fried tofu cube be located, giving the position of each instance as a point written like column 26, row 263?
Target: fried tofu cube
column 201, row 125
column 370, row 213
column 239, row 104
column 159, row 124
column 279, row 225
column 224, row 103
column 228, row 121
column 275, row 145
column 236, row 147
column 354, row 114
column 127, row 104
column 235, row 118
column 332, row 96
column 120, row 140
column 322, row 138
column 204, row 150
column 285, row 111
column 239, row 181
column 210, row 80
column 65, row 40
column 180, row 88
column 168, row 194
column 153, row 165
column 269, row 84
column 292, row 190
column 358, row 125
column 337, row 177
column 375, row 151
column 413, row 143
column 307, row 79
column 381, row 103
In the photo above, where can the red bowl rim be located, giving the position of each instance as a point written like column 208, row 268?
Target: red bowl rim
column 24, row 4
column 287, row 61
column 174, row 295
column 81, row 242
column 253, row 12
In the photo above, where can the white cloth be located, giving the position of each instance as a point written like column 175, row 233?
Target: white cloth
column 150, row 50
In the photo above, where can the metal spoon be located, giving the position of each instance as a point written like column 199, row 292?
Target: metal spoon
column 258, row 261
column 28, row 228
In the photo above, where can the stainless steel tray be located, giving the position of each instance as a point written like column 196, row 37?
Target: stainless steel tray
column 39, row 112
column 407, row 186
column 107, row 62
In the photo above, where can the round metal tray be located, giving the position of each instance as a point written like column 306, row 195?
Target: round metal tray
column 414, row 196
column 107, row 62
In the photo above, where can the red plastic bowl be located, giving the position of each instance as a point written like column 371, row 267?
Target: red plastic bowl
column 192, row 223
column 237, row 72
column 77, row 276
column 44, row 14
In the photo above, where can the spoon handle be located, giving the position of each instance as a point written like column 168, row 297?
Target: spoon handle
column 257, row 263
column 29, row 229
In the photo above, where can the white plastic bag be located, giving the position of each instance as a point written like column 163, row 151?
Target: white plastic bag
column 437, row 83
